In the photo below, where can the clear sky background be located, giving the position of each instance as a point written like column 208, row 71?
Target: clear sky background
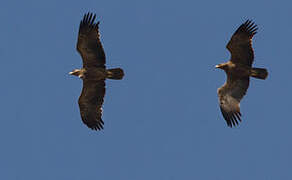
column 162, row 121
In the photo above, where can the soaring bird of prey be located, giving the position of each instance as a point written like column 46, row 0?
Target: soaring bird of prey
column 93, row 73
column 238, row 70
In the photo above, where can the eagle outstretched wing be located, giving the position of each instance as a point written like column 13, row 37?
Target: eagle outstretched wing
column 240, row 44
column 90, row 103
column 230, row 95
column 89, row 45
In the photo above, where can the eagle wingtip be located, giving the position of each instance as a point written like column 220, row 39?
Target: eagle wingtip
column 248, row 27
column 88, row 20
column 232, row 119
column 97, row 126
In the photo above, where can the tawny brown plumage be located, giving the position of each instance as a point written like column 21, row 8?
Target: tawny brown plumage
column 238, row 70
column 93, row 73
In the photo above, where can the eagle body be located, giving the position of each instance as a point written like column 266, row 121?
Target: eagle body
column 238, row 70
column 93, row 73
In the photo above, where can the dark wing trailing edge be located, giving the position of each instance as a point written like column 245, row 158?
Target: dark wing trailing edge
column 89, row 45
column 230, row 95
column 240, row 44
column 90, row 103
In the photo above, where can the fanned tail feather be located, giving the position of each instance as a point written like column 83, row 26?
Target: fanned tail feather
column 259, row 73
column 116, row 73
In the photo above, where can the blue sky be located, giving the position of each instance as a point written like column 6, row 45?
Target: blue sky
column 162, row 121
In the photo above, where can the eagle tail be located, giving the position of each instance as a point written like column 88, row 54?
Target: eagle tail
column 259, row 73
column 116, row 73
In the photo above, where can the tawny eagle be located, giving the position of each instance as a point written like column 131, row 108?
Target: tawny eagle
column 238, row 70
column 93, row 73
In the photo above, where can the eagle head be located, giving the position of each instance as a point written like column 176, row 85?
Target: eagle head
column 77, row 72
column 223, row 66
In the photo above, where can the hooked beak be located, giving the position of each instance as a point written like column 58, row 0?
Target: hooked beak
column 217, row 66
column 70, row 73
